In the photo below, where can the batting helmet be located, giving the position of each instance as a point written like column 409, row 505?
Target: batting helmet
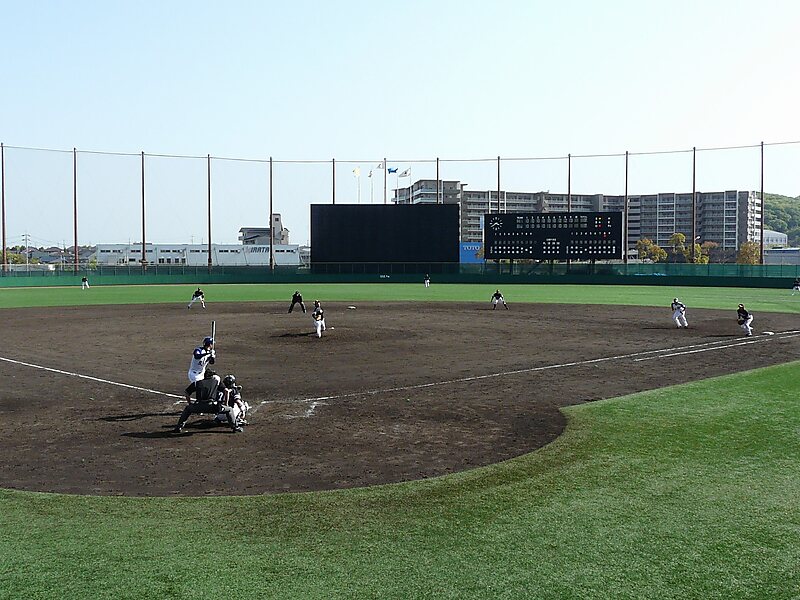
column 208, row 341
column 229, row 381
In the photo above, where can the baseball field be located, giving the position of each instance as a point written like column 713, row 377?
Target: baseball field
column 577, row 445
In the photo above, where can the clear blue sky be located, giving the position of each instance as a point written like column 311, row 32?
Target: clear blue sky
column 359, row 81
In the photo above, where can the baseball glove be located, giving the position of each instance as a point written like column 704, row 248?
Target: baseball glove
column 740, row 321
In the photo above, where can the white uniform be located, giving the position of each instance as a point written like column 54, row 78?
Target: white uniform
column 427, row 281
column 319, row 320
column 679, row 313
column 84, row 284
column 200, row 360
column 795, row 286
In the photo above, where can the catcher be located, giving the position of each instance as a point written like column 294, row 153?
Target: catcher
column 318, row 315
column 745, row 319
column 210, row 401
column 233, row 399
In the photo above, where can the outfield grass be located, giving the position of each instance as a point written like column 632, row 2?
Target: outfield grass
column 758, row 299
column 685, row 492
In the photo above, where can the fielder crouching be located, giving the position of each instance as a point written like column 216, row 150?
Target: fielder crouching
column 234, row 400
column 211, row 399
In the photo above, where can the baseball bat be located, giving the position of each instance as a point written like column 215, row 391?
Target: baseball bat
column 214, row 331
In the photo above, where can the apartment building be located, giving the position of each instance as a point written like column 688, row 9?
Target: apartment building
column 727, row 218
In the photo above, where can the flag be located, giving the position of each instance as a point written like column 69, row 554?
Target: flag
column 406, row 173
column 370, row 173
column 357, row 171
column 392, row 170
column 379, row 166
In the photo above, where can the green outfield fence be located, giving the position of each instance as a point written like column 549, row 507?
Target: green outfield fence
column 718, row 275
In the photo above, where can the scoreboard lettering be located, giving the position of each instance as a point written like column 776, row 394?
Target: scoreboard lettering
column 553, row 236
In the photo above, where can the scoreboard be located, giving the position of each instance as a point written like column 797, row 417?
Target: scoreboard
column 553, row 236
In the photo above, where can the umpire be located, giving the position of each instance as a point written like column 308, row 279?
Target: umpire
column 210, row 401
column 297, row 298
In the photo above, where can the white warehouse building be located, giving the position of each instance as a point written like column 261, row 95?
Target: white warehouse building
column 196, row 255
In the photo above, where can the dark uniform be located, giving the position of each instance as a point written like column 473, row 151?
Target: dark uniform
column 198, row 296
column 744, row 318
column 498, row 297
column 297, row 298
column 210, row 401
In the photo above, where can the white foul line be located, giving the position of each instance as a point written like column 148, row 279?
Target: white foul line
column 546, row 367
column 701, row 350
column 125, row 385
column 783, row 337
column 318, row 401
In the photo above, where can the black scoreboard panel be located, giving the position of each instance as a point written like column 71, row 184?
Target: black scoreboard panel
column 553, row 236
column 374, row 233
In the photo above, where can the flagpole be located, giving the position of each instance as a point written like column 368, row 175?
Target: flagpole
column 371, row 186
column 385, row 177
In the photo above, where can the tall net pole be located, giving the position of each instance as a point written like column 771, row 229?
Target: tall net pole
column 144, row 232
column 209, row 214
column 75, row 205
column 3, row 201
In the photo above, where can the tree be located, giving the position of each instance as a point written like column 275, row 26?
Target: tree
column 643, row 247
column 678, row 243
column 649, row 251
column 658, row 254
column 749, row 254
column 782, row 213
column 698, row 257
column 15, row 258
column 709, row 250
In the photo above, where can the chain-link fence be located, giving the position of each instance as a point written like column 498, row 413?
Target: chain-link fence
column 58, row 205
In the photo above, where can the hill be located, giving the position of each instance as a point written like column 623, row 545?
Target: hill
column 782, row 213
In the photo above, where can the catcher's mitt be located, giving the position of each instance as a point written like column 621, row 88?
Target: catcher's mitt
column 740, row 321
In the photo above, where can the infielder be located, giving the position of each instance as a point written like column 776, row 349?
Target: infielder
column 318, row 315
column 427, row 280
column 496, row 298
column 84, row 283
column 796, row 286
column 745, row 319
column 201, row 357
column 679, row 313
column 198, row 296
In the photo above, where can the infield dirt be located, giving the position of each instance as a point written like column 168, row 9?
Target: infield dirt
column 395, row 392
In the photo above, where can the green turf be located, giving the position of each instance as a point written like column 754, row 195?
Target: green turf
column 758, row 299
column 685, row 492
